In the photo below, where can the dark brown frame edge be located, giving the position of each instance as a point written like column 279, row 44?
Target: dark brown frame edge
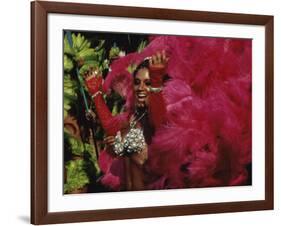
column 39, row 107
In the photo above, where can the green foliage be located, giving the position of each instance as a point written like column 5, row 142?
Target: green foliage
column 79, row 172
column 82, row 55
column 67, row 63
column 94, row 168
column 114, row 51
column 141, row 46
column 79, row 57
column 69, row 93
column 76, row 147
column 115, row 102
column 79, row 148
column 76, row 177
column 115, row 109
column 131, row 68
column 79, row 46
column 87, row 66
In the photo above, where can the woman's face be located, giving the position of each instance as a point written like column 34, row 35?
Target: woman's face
column 141, row 87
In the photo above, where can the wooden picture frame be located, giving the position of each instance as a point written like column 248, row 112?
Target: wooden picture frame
column 39, row 112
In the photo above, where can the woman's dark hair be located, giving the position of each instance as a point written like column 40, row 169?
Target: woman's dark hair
column 143, row 64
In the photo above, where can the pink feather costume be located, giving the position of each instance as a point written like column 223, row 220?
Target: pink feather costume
column 114, row 167
column 205, row 139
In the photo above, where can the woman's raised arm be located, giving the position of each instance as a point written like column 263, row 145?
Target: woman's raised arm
column 157, row 71
column 94, row 84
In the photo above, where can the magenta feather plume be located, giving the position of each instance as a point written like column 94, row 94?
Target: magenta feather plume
column 206, row 140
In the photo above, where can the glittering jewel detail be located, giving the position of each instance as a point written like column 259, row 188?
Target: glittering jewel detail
column 118, row 146
column 134, row 141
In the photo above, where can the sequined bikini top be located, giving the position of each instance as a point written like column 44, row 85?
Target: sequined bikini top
column 133, row 142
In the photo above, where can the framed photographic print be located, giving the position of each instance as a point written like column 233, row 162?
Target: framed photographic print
column 145, row 112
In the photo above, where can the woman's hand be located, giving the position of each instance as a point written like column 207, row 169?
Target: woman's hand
column 158, row 61
column 109, row 141
column 157, row 68
column 93, row 80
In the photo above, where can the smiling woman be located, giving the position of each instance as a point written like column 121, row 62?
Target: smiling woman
column 191, row 131
column 175, row 112
column 142, row 84
column 128, row 141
